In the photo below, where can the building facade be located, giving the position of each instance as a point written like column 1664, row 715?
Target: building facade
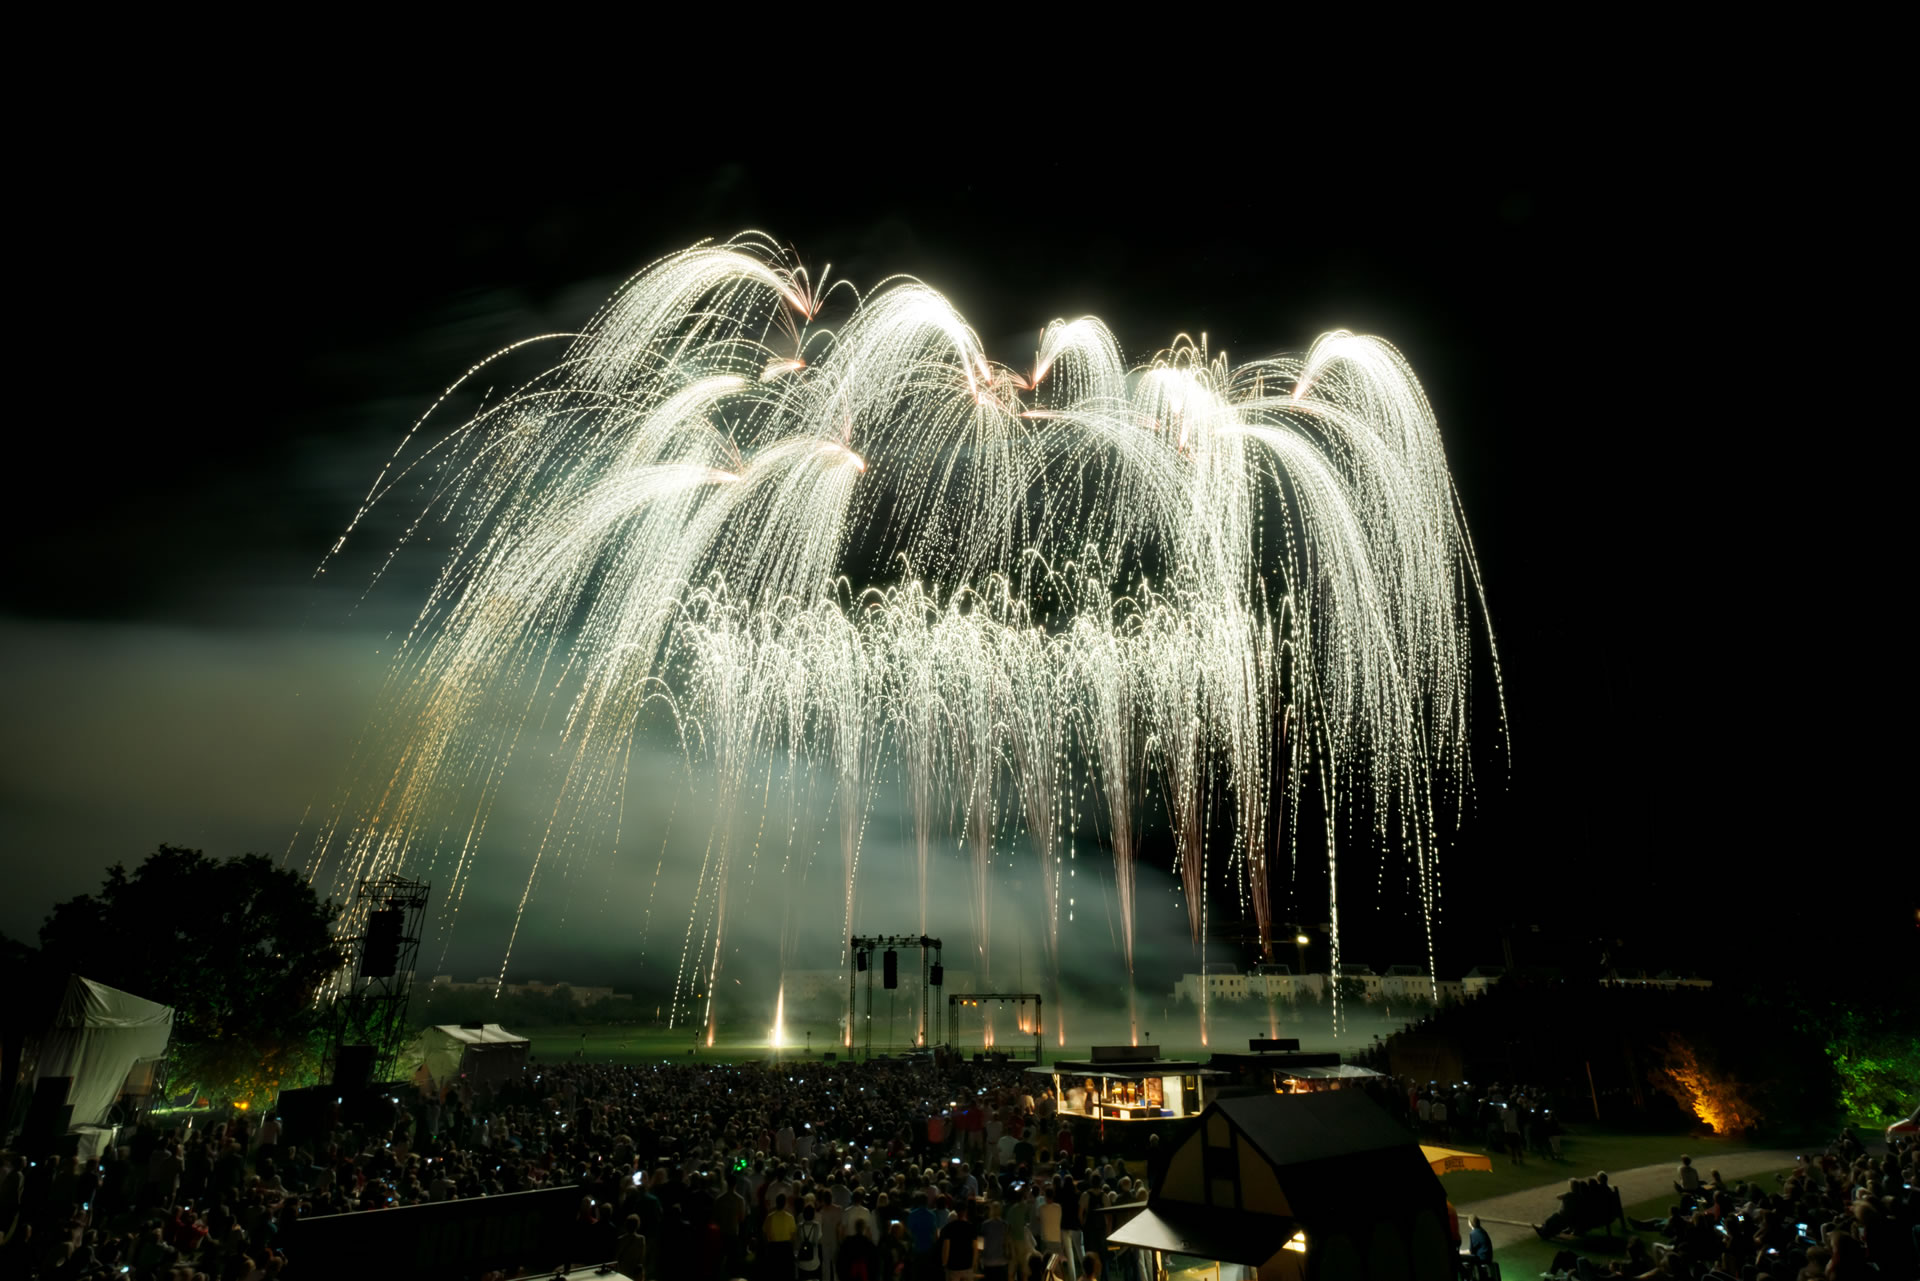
column 532, row 987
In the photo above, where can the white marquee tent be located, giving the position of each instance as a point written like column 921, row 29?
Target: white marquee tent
column 484, row 1054
column 98, row 1037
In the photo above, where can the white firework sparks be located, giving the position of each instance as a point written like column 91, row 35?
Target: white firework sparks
column 872, row 548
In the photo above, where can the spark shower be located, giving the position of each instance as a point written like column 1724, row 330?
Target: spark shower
column 822, row 536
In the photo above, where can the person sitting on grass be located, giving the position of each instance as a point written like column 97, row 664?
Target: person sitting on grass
column 1562, row 1220
column 1687, row 1179
column 1479, row 1243
column 1668, row 1227
column 1699, row 1244
column 1606, row 1198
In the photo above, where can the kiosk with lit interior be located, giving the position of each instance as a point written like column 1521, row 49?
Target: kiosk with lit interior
column 1283, row 1068
column 1129, row 1083
column 1312, row 1187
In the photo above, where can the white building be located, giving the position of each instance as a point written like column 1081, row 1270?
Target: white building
column 1371, row 984
column 1264, row 983
column 532, row 987
column 1665, row 979
column 1413, row 983
column 1222, row 984
column 1480, row 979
column 1280, row 983
column 1401, row 983
column 1406, row 983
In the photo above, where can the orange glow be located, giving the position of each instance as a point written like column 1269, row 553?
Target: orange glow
column 1714, row 1099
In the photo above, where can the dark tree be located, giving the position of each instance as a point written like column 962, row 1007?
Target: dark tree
column 237, row 948
column 33, row 999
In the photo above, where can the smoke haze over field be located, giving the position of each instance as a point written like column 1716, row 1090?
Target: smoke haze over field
column 179, row 713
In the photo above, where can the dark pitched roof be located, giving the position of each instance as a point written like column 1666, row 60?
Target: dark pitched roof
column 1325, row 1146
column 1296, row 1129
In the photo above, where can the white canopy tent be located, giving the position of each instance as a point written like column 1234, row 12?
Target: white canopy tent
column 485, row 1054
column 97, row 1038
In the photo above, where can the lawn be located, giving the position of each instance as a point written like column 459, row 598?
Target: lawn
column 1585, row 1150
column 635, row 1043
column 615, row 1043
column 1527, row 1259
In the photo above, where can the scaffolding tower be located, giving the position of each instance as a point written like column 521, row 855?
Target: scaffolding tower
column 862, row 948
column 388, row 915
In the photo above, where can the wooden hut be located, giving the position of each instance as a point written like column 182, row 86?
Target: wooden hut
column 1314, row 1187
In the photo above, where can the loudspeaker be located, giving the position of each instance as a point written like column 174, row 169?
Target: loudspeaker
column 48, row 1114
column 860, row 962
column 380, row 955
column 352, row 1069
column 936, row 974
column 305, row 1114
column 890, row 969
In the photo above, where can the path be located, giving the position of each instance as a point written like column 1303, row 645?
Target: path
column 1510, row 1218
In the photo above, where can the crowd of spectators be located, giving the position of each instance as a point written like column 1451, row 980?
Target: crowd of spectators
column 1840, row 1215
column 789, row 1171
column 810, row 1171
column 1514, row 1120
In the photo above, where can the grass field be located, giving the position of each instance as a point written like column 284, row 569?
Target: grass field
column 1527, row 1259
column 1585, row 1150
column 618, row 1044
column 614, row 1043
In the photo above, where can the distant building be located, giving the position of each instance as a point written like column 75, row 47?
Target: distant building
column 1263, row 983
column 1666, row 979
column 1481, row 979
column 1217, row 984
column 1406, row 983
column 532, row 987
column 1413, row 983
column 446, row 983
column 1279, row 983
column 1371, row 984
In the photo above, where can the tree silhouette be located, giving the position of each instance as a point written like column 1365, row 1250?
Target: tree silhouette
column 238, row 948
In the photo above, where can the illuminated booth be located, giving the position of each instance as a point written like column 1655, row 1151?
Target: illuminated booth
column 1318, row 1187
column 1281, row 1067
column 1128, row 1083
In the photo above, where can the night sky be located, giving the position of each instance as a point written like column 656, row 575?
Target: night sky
column 251, row 331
